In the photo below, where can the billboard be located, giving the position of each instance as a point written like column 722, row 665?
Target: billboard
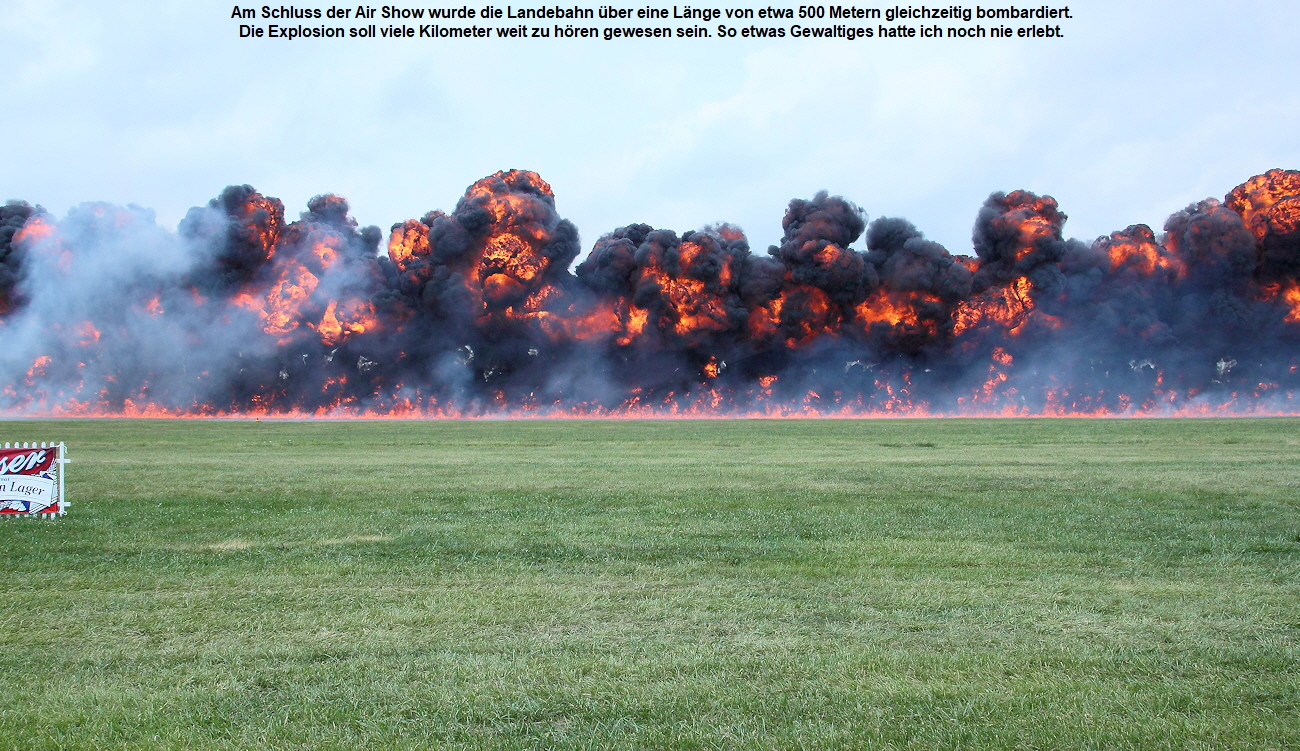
column 31, row 479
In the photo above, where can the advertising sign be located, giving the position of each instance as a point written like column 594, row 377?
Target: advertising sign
column 31, row 479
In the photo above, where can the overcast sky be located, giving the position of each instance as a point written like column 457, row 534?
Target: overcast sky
column 1143, row 108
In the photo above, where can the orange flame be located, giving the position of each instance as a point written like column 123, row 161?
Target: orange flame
column 1268, row 203
column 1136, row 249
column 1004, row 307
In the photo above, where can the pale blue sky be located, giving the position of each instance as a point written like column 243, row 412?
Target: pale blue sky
column 1142, row 109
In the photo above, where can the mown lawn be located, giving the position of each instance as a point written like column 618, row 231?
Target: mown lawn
column 696, row 584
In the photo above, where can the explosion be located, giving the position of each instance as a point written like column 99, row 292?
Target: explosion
column 486, row 311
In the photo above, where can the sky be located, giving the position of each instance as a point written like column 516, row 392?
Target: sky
column 1142, row 109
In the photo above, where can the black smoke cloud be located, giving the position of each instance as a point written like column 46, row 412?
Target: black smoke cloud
column 488, row 310
column 13, row 215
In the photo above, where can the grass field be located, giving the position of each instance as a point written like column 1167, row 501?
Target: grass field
column 744, row 584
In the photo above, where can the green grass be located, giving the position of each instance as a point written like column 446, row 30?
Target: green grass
column 745, row 584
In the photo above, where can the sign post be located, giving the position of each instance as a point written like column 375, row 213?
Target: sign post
column 31, row 480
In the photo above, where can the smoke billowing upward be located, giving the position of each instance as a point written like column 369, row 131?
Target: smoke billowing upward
column 13, row 215
column 488, row 310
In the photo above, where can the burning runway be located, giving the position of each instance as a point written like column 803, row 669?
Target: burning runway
column 482, row 312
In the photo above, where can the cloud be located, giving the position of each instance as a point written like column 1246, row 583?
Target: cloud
column 1163, row 105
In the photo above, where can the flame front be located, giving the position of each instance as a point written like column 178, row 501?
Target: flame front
column 482, row 311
